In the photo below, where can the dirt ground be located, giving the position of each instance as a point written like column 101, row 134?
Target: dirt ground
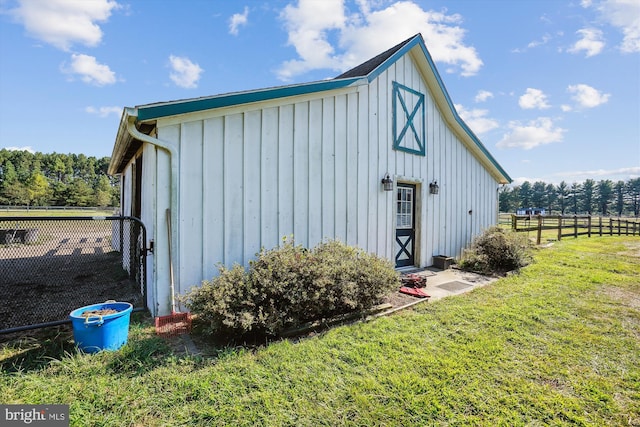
column 45, row 281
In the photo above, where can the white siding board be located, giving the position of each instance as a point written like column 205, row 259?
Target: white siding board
column 190, row 207
column 328, row 168
column 233, row 190
column 363, row 190
column 213, row 196
column 269, row 179
column 341, row 166
column 374, row 174
column 252, row 155
column 315, row 161
column 352, row 169
column 301, row 173
column 285, row 171
column 383, row 207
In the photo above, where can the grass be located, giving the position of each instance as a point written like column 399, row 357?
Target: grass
column 557, row 344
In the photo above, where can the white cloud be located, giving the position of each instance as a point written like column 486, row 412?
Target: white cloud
column 237, row 20
column 318, row 28
column 545, row 39
column 89, row 70
column 540, row 131
column 522, row 179
column 483, row 95
column 624, row 15
column 622, row 174
column 586, row 96
column 104, row 111
column 591, row 42
column 476, row 119
column 184, row 72
column 25, row 148
column 63, row 23
column 533, row 98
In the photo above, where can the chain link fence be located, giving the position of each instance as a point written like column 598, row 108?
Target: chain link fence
column 50, row 266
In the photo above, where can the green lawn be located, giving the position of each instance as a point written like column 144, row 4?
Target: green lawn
column 557, row 344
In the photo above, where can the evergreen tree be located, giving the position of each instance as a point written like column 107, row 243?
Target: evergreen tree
column 563, row 195
column 552, row 198
column 588, row 199
column 524, row 194
column 618, row 191
column 633, row 196
column 539, row 194
column 605, row 195
column 574, row 197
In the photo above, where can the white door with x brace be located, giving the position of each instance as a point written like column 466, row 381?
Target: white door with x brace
column 405, row 225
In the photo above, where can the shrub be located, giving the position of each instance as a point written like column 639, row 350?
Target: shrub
column 497, row 251
column 288, row 286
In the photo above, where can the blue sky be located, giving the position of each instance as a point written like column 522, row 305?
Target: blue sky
column 552, row 88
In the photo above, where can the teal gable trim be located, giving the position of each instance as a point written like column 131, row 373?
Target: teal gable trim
column 156, row 111
column 393, row 58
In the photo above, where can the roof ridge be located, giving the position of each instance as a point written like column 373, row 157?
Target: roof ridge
column 368, row 66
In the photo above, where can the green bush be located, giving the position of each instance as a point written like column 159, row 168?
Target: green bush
column 497, row 251
column 288, row 286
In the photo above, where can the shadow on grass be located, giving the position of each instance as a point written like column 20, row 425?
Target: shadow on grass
column 36, row 350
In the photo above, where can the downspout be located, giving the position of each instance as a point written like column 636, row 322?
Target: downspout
column 172, row 149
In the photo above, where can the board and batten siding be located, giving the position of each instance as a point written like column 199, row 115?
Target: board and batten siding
column 302, row 169
column 310, row 166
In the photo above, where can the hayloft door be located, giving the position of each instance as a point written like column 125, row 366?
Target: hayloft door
column 405, row 225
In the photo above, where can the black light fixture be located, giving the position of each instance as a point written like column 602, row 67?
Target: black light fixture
column 387, row 183
column 434, row 188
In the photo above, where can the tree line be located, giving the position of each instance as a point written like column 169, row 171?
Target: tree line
column 605, row 197
column 38, row 179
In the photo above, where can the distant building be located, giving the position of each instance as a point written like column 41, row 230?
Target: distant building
column 531, row 211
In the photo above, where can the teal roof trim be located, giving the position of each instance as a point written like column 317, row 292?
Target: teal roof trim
column 417, row 40
column 156, row 111
column 393, row 58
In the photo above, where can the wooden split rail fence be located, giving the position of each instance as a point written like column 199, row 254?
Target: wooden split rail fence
column 575, row 225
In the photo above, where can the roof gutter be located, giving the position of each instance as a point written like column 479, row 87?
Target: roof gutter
column 172, row 149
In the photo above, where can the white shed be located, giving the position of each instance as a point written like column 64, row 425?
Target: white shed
column 240, row 171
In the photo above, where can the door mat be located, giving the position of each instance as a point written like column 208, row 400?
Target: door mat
column 454, row 286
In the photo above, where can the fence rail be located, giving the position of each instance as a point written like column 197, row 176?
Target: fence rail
column 20, row 208
column 575, row 225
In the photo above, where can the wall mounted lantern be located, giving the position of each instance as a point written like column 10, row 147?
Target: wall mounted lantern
column 434, row 188
column 387, row 183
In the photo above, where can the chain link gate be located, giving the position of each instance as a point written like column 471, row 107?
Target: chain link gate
column 50, row 266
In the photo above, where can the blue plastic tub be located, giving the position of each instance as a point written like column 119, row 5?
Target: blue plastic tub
column 96, row 333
